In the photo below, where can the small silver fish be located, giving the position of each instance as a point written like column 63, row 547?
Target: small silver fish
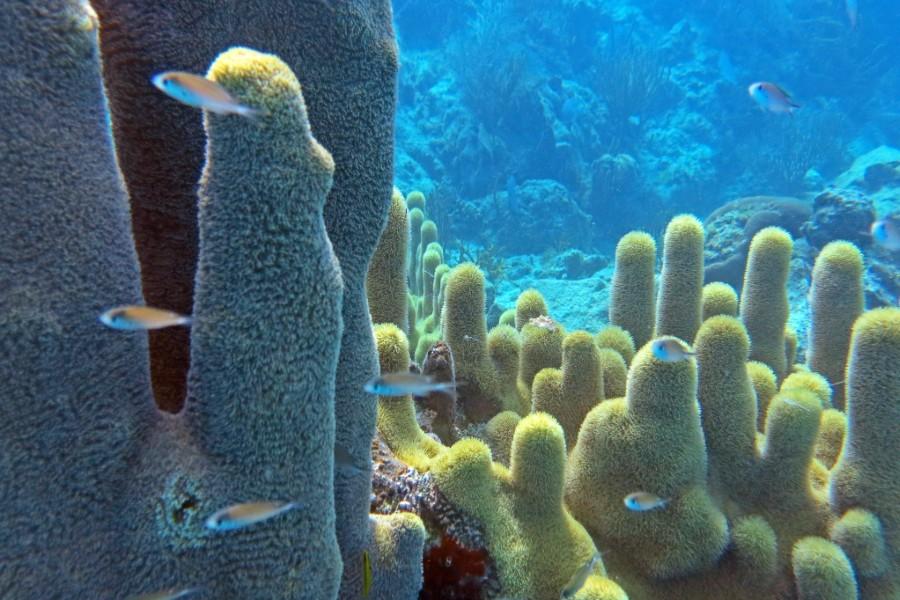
column 170, row 594
column 135, row 318
column 342, row 458
column 200, row 92
column 579, row 577
column 772, row 98
column 644, row 501
column 247, row 513
column 670, row 350
column 470, row 338
column 405, row 383
column 886, row 232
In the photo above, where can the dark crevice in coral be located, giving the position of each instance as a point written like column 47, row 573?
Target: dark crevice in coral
column 159, row 146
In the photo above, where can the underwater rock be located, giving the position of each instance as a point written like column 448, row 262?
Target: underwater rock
column 839, row 215
column 731, row 227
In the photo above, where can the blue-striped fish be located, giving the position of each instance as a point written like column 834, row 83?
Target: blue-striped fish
column 200, row 92
column 137, row 318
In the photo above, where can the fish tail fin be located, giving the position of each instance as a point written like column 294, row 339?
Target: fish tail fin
column 186, row 321
column 251, row 113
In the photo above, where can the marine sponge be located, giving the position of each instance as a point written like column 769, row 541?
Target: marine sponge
column 836, row 300
column 529, row 305
column 649, row 441
column 679, row 309
column 508, row 317
column 466, row 332
column 632, row 299
column 764, row 301
column 536, row 545
column 867, row 474
column 719, row 299
column 386, row 277
column 618, row 339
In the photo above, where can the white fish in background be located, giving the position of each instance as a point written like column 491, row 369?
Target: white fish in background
column 200, row 92
column 772, row 98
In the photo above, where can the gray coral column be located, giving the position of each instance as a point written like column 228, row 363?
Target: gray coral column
column 73, row 394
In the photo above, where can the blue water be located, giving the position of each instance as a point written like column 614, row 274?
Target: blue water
column 634, row 111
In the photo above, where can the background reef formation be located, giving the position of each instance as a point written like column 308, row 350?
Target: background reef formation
column 104, row 495
column 775, row 485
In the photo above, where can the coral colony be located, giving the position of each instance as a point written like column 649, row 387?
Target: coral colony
column 270, row 445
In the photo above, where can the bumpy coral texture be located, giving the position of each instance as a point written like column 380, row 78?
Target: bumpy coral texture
column 466, row 333
column 836, row 300
column 385, row 280
column 259, row 416
column 349, row 83
column 632, row 299
column 764, row 300
column 679, row 309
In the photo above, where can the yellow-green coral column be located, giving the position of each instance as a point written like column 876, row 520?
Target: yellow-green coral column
column 650, row 441
column 386, row 278
column 535, row 543
column 679, row 310
column 570, row 393
column 867, row 474
column 836, row 300
column 632, row 301
column 466, row 333
column 396, row 414
column 529, row 305
column 719, row 299
column 764, row 299
column 728, row 406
